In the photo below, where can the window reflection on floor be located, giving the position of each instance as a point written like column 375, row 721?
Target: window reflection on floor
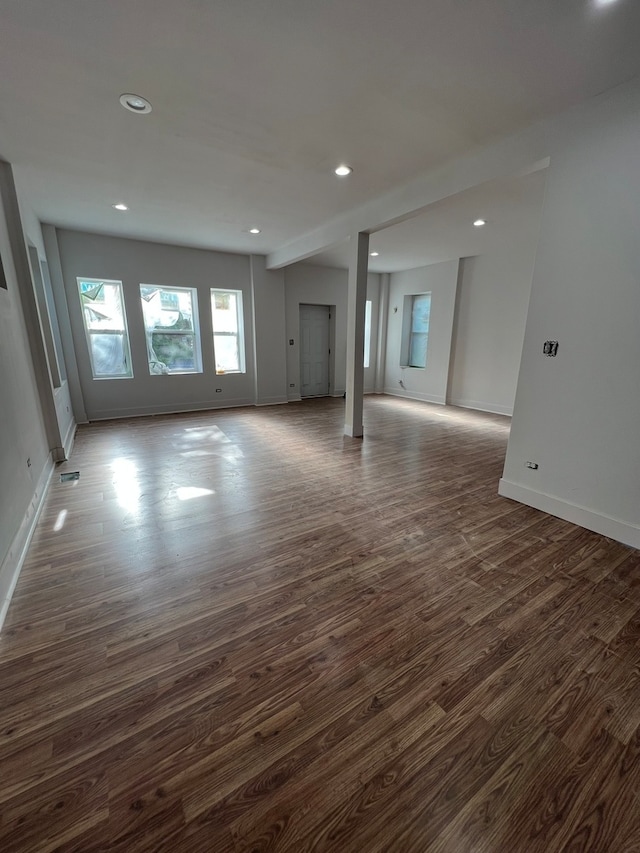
column 126, row 485
column 187, row 493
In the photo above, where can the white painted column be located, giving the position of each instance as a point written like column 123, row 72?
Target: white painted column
column 356, row 302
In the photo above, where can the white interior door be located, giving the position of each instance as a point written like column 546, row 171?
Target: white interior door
column 314, row 350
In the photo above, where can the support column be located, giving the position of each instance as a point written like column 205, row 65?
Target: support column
column 356, row 301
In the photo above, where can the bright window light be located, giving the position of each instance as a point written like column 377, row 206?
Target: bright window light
column 187, row 493
column 367, row 332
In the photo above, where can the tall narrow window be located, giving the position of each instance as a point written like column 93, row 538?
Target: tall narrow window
column 228, row 330
column 105, row 324
column 415, row 330
column 171, row 329
column 367, row 332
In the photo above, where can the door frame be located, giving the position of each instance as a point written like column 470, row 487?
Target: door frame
column 332, row 344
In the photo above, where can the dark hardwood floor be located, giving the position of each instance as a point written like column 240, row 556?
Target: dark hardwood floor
column 242, row 631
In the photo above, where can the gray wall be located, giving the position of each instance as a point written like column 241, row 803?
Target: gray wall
column 308, row 284
column 22, row 430
column 429, row 383
column 134, row 262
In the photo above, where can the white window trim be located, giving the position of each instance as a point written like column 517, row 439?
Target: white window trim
column 408, row 333
column 88, row 332
column 239, row 335
column 195, row 333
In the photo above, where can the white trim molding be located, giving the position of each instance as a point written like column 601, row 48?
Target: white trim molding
column 481, row 406
column 13, row 562
column 612, row 528
column 416, row 395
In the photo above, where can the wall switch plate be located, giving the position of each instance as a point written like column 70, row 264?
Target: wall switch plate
column 550, row 348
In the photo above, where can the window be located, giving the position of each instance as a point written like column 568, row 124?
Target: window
column 415, row 330
column 228, row 333
column 105, row 324
column 171, row 329
column 367, row 332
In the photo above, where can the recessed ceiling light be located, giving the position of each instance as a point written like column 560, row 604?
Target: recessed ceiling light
column 135, row 103
column 343, row 170
column 374, row 254
column 480, row 222
column 120, row 206
column 254, row 230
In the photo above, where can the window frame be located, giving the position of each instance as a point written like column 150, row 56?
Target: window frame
column 194, row 332
column 239, row 335
column 368, row 313
column 409, row 334
column 80, row 280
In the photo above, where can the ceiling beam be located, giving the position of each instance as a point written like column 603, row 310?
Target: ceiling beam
column 519, row 154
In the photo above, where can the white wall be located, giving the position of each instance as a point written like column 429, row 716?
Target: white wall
column 307, row 284
column 134, row 262
column 578, row 415
column 22, row 429
column 429, row 383
column 491, row 313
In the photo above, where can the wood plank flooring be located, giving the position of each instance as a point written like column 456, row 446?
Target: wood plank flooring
column 242, row 631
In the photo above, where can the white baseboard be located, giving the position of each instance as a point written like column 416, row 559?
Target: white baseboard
column 481, row 406
column 416, row 395
column 145, row 411
column 612, row 528
column 13, row 562
column 271, row 401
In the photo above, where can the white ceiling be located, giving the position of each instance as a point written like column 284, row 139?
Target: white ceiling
column 511, row 208
column 255, row 102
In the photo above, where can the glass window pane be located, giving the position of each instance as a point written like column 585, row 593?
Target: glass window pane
column 108, row 351
column 420, row 313
column 227, row 355
column 418, row 351
column 102, row 304
column 176, row 352
column 224, row 312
